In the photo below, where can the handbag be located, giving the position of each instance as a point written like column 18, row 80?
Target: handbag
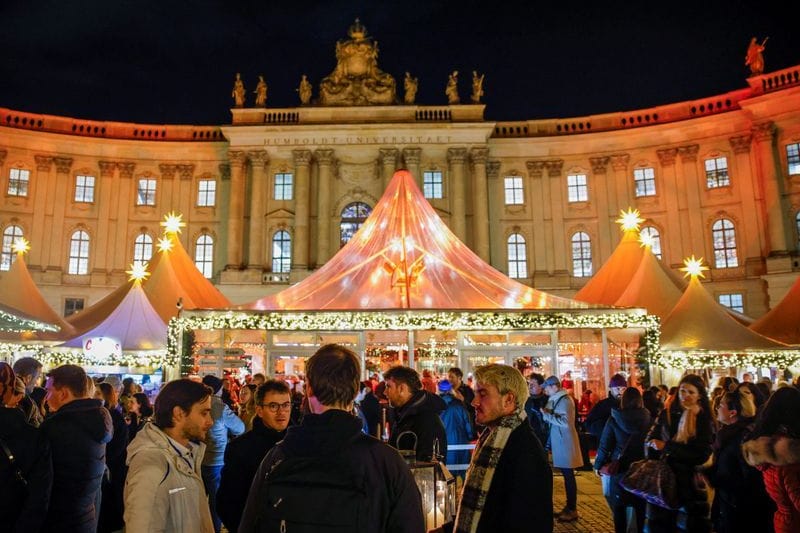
column 612, row 468
column 654, row 481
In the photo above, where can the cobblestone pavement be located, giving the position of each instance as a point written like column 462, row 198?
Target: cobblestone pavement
column 593, row 513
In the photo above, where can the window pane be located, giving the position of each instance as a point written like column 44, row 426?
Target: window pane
column 7, row 255
column 281, row 252
column 723, row 236
column 79, row 253
column 353, row 216
column 581, row 255
column 513, row 190
column 733, row 301
column 204, row 255
column 18, row 179
column 283, row 186
column 717, row 172
column 577, row 190
column 432, row 187
column 517, row 256
column 206, row 193
column 146, row 193
column 142, row 249
column 84, row 189
column 645, row 181
column 652, row 232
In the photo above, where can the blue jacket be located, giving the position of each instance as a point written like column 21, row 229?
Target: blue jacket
column 226, row 425
column 457, row 427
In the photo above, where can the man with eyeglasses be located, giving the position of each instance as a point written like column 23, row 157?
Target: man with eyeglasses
column 244, row 454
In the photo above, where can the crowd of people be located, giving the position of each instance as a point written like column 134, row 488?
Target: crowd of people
column 330, row 450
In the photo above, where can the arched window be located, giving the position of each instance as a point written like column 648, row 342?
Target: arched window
column 723, row 234
column 517, row 256
column 353, row 216
column 281, row 252
column 7, row 255
column 581, row 255
column 142, row 249
column 79, row 253
column 204, row 255
column 655, row 237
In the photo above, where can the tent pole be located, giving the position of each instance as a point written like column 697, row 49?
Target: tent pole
column 411, row 361
column 606, row 365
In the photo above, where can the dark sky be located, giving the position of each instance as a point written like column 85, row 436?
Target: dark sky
column 173, row 61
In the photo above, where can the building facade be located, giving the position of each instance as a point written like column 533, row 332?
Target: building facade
column 272, row 196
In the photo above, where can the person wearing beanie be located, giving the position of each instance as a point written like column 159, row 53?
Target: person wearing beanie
column 226, row 426
column 601, row 412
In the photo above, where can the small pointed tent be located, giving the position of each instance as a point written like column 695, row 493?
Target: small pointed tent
column 782, row 322
column 88, row 318
column 650, row 287
column 405, row 257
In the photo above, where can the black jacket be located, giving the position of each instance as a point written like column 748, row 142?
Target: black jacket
column 111, row 506
column 598, row 416
column 533, row 408
column 395, row 503
column 78, row 433
column 370, row 410
column 243, row 455
column 520, row 498
column 420, row 415
column 623, row 438
column 469, row 396
column 23, row 511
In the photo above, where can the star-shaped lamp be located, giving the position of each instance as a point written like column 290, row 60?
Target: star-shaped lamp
column 694, row 267
column 138, row 272
column 20, row 246
column 629, row 220
column 173, row 222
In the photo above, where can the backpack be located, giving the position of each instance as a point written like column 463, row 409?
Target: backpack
column 312, row 494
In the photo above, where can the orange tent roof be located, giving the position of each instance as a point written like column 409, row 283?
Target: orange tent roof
column 19, row 291
column 698, row 323
column 651, row 287
column 608, row 284
column 405, row 257
column 782, row 322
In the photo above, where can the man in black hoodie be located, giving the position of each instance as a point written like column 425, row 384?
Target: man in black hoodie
column 416, row 411
column 301, row 480
column 78, row 431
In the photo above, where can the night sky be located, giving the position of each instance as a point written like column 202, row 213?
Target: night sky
column 173, row 61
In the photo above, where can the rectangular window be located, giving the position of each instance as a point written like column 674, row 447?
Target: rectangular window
column 577, row 190
column 72, row 306
column 514, row 192
column 206, row 193
column 717, row 172
column 18, row 180
column 84, row 189
column 283, row 186
column 432, row 184
column 645, row 180
column 733, row 301
column 146, row 194
column 793, row 158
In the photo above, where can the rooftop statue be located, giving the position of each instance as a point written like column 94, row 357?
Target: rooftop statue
column 304, row 90
column 755, row 56
column 261, row 92
column 410, row 85
column 477, row 87
column 238, row 91
column 357, row 80
column 452, row 89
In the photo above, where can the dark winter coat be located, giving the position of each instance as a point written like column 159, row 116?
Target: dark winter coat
column 741, row 503
column 394, row 504
column 369, row 410
column 779, row 459
column 469, row 396
column 599, row 415
column 111, row 506
column 623, row 439
column 533, row 408
column 420, row 415
column 21, row 510
column 78, row 433
column 242, row 458
column 458, row 429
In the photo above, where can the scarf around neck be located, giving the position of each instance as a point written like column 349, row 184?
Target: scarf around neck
column 481, row 470
column 687, row 426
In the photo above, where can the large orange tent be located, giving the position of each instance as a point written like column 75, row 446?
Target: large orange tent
column 782, row 322
column 650, row 287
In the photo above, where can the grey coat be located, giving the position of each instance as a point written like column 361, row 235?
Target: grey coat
column 564, row 442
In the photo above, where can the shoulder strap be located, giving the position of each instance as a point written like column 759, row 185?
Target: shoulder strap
column 10, row 456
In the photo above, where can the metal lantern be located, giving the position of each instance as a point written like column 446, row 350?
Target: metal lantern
column 436, row 484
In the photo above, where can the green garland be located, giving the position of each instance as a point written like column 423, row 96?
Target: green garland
column 9, row 322
column 712, row 359
column 141, row 360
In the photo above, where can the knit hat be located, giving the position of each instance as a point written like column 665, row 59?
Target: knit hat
column 617, row 380
column 445, row 386
column 7, row 377
column 552, row 380
column 212, row 381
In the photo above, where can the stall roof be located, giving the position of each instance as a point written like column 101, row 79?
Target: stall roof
column 608, row 284
column 12, row 320
column 782, row 322
column 650, row 287
column 405, row 257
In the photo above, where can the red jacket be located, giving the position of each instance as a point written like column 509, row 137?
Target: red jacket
column 783, row 486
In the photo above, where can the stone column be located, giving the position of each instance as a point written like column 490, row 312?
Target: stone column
column 752, row 243
column 325, row 161
column 764, row 134
column 259, row 159
column 540, row 211
column 605, row 235
column 480, row 202
column 99, row 248
column 411, row 157
column 302, row 174
column 238, row 161
column 497, row 241
column 187, row 194
column 622, row 183
column 561, row 259
column 41, row 232
column 675, row 202
column 124, row 203
column 221, row 252
column 458, row 218
column 687, row 173
column 388, row 157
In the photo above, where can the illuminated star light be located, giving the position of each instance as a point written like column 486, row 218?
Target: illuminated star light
column 173, row 223
column 629, row 220
column 164, row 244
column 646, row 240
column 694, row 267
column 20, row 246
column 138, row 272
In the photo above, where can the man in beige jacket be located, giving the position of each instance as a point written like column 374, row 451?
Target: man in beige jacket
column 164, row 491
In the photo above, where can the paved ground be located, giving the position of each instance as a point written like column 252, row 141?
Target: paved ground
column 594, row 514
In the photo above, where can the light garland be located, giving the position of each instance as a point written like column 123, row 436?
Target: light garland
column 715, row 359
column 11, row 323
column 130, row 359
column 9, row 349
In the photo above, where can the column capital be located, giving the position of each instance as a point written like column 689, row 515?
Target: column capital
column 258, row 157
column 3, row 155
column 237, row 157
column 599, row 164
column 324, row 156
column 43, row 162
column 535, row 168
column 388, row 155
column 666, row 156
column 411, row 156
column 741, row 144
column 493, row 169
column 186, row 171
column 63, row 164
column 302, row 157
column 167, row 170
column 554, row 167
column 456, row 155
column 688, row 153
column 126, row 169
column 224, row 171
column 620, row 161
column 479, row 154
column 764, row 131
column 107, row 168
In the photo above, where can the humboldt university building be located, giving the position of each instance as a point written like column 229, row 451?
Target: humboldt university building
column 275, row 194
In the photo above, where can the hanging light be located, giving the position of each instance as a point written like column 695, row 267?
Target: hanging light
column 138, row 272
column 629, row 220
column 20, row 245
column 173, row 222
column 694, row 267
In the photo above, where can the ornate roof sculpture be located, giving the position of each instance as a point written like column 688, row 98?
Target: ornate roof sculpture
column 782, row 322
column 357, row 80
column 405, row 257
